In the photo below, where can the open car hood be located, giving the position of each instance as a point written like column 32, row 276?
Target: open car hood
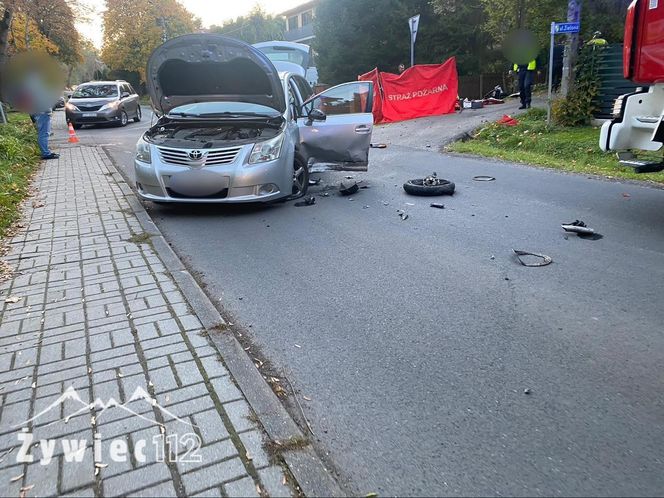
column 205, row 67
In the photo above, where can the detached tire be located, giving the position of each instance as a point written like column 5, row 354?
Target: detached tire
column 417, row 187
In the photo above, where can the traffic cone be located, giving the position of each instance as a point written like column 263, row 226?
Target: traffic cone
column 73, row 139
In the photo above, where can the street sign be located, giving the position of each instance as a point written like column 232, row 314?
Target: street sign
column 563, row 28
column 413, row 24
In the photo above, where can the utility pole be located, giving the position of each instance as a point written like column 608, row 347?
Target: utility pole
column 571, row 48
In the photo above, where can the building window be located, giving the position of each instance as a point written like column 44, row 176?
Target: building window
column 307, row 17
column 292, row 23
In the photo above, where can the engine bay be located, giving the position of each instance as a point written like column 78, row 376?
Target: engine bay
column 207, row 136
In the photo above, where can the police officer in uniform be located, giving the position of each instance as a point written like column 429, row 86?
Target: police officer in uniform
column 526, row 75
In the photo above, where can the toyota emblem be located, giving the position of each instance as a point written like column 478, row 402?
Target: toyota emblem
column 195, row 155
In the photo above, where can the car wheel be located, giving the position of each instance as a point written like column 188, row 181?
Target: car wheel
column 300, row 176
column 419, row 187
column 138, row 114
column 124, row 119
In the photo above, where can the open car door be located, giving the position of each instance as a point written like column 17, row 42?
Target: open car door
column 335, row 130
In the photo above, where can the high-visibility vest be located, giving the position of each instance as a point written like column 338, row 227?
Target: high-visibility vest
column 532, row 65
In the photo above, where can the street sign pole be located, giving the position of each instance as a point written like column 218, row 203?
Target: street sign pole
column 548, row 104
column 413, row 24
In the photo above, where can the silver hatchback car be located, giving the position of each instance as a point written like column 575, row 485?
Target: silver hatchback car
column 232, row 129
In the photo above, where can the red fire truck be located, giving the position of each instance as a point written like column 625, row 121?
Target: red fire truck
column 638, row 117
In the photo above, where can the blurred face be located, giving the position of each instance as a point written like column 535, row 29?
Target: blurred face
column 402, row 68
column 33, row 82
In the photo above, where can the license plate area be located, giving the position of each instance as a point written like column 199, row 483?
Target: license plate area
column 89, row 114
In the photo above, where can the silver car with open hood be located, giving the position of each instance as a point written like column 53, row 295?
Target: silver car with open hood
column 233, row 129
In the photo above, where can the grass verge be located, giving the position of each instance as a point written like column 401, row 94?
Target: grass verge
column 569, row 149
column 19, row 157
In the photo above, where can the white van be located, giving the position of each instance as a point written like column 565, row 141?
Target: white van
column 296, row 58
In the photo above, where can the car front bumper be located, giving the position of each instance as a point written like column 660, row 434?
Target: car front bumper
column 107, row 116
column 237, row 182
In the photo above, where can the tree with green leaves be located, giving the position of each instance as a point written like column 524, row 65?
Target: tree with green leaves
column 134, row 28
column 447, row 28
column 42, row 25
column 257, row 26
column 605, row 16
column 505, row 16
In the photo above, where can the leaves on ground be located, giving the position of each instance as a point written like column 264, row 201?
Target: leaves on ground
column 570, row 149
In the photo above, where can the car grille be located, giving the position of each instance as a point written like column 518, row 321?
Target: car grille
column 210, row 157
column 87, row 108
column 222, row 194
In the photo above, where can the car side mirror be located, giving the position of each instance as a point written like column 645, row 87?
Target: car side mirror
column 124, row 95
column 315, row 115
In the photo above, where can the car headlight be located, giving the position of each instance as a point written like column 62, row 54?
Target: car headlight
column 71, row 107
column 110, row 105
column 267, row 151
column 143, row 153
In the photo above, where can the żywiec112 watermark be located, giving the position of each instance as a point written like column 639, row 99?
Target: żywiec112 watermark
column 162, row 447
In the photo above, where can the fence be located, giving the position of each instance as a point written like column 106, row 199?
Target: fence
column 612, row 82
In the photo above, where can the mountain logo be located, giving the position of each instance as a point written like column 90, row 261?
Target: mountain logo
column 71, row 394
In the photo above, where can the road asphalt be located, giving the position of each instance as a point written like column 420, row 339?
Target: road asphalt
column 428, row 361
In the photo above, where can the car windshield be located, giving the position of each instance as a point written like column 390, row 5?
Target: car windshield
column 213, row 109
column 95, row 91
column 286, row 54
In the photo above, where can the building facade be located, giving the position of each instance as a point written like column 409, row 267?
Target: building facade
column 299, row 22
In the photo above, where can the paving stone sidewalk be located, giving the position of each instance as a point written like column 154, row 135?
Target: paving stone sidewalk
column 92, row 316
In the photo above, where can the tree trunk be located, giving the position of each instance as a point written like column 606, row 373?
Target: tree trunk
column 571, row 49
column 5, row 24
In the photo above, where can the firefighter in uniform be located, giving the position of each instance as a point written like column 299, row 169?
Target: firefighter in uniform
column 526, row 75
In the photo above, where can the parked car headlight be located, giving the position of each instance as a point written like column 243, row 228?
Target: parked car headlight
column 143, row 153
column 110, row 105
column 267, row 151
column 71, row 107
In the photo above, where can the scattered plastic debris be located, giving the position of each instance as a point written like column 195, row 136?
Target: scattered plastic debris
column 508, row 120
column 402, row 214
column 348, row 188
column 315, row 182
column 581, row 230
column 577, row 226
column 309, row 200
column 437, row 205
column 527, row 391
column 378, row 146
column 484, row 178
column 546, row 260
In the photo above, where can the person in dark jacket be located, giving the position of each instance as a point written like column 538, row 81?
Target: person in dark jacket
column 526, row 75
